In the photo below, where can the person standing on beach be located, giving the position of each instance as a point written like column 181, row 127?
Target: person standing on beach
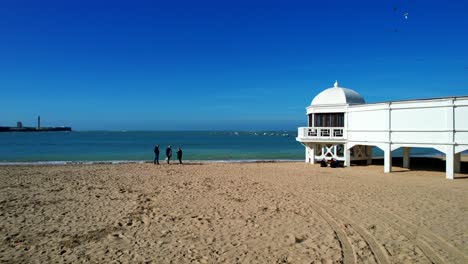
column 169, row 154
column 179, row 155
column 156, row 154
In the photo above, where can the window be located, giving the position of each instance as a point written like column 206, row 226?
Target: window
column 329, row 120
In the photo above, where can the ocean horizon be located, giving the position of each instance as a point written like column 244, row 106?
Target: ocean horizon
column 137, row 146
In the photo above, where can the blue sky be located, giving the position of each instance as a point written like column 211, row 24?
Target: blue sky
column 250, row 65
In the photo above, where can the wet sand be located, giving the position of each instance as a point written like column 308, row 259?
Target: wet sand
column 232, row 213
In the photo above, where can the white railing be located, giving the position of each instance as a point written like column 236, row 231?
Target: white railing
column 320, row 132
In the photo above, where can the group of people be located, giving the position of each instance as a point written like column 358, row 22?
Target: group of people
column 333, row 163
column 168, row 154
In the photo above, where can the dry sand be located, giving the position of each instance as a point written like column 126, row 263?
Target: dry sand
column 231, row 213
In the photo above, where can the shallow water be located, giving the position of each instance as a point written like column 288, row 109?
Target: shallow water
column 138, row 146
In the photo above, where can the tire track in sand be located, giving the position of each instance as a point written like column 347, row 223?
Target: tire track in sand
column 426, row 249
column 339, row 223
column 349, row 255
column 425, row 240
column 347, row 251
column 376, row 249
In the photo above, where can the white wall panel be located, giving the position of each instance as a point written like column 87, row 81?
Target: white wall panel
column 461, row 118
column 421, row 137
column 422, row 103
column 461, row 137
column 367, row 107
column 369, row 120
column 461, row 101
column 367, row 136
column 419, row 119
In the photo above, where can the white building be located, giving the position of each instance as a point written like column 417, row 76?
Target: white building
column 342, row 126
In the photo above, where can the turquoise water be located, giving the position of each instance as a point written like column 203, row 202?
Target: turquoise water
column 138, row 146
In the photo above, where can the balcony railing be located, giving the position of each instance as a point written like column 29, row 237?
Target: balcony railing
column 321, row 132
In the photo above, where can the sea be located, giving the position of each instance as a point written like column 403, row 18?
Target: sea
column 137, row 146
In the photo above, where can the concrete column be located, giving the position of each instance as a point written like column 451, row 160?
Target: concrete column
column 406, row 157
column 457, row 162
column 307, row 153
column 449, row 163
column 312, row 154
column 388, row 158
column 347, row 156
column 369, row 154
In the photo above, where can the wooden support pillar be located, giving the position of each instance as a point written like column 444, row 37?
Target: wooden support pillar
column 449, row 162
column 369, row 154
column 388, row 158
column 457, row 163
column 406, row 157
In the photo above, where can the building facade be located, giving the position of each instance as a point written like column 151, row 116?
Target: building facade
column 342, row 126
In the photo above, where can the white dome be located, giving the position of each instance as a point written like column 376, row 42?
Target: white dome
column 338, row 96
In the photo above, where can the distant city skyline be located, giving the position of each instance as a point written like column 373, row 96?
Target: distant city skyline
column 220, row 65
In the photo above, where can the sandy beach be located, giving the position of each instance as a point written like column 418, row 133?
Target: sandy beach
column 288, row 212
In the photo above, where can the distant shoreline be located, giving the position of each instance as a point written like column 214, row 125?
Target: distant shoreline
column 34, row 129
column 175, row 162
column 189, row 162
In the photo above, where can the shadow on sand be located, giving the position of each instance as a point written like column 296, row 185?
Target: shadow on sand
column 419, row 164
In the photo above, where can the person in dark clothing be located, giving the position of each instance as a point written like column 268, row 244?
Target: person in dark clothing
column 156, row 154
column 169, row 154
column 323, row 163
column 333, row 163
column 179, row 155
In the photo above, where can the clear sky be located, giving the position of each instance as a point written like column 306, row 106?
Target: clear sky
column 251, row 65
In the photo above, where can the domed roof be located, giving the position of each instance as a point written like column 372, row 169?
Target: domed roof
column 338, row 96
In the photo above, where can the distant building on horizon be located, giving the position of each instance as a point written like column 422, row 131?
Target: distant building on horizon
column 20, row 128
column 342, row 126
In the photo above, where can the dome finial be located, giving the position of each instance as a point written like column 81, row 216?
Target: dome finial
column 336, row 83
